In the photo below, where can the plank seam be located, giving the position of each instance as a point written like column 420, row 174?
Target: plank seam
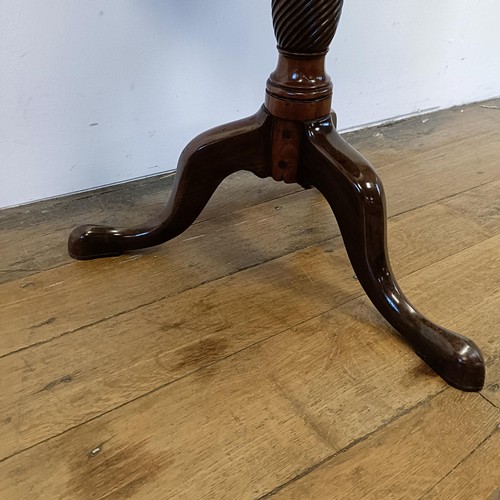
column 147, row 304
column 34, row 272
column 156, row 389
column 418, row 207
column 441, row 200
column 215, row 280
column 230, row 355
column 489, row 401
column 261, row 341
column 487, row 438
column 327, row 459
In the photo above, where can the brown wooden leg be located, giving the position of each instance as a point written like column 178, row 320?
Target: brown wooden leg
column 294, row 139
column 355, row 193
column 203, row 165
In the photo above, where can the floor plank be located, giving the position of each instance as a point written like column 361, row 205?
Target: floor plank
column 408, row 457
column 478, row 476
column 202, row 325
column 234, row 429
column 492, row 390
column 55, row 302
column 42, row 229
column 353, row 379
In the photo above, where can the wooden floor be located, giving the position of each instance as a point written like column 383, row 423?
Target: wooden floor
column 242, row 360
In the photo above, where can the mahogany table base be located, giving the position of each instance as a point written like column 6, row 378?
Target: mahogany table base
column 293, row 138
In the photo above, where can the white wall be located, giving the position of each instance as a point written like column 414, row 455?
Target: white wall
column 97, row 92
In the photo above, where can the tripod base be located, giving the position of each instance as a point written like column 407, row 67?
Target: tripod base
column 310, row 153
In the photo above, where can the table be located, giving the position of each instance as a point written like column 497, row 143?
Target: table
column 293, row 138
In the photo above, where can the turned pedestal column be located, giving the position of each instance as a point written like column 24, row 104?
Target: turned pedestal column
column 292, row 138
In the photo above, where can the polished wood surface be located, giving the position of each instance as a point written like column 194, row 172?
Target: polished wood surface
column 204, row 164
column 293, row 138
column 356, row 195
column 300, row 89
column 237, row 373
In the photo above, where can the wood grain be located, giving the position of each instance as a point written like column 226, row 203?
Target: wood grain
column 242, row 240
column 55, row 302
column 355, row 376
column 492, row 389
column 174, row 336
column 478, row 476
column 41, row 229
column 407, row 457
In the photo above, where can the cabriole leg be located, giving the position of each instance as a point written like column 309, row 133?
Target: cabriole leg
column 203, row 165
column 355, row 193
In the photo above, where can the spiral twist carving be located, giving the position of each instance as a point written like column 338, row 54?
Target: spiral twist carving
column 305, row 26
